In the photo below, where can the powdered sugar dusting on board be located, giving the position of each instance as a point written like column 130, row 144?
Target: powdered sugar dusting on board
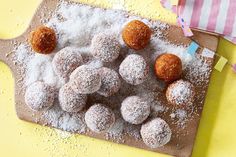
column 35, row 67
column 75, row 25
column 39, row 68
column 180, row 116
column 73, row 122
column 82, row 25
column 24, row 54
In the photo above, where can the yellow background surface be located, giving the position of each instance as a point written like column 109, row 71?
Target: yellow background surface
column 216, row 135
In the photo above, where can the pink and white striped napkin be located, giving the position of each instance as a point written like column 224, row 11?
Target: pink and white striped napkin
column 212, row 15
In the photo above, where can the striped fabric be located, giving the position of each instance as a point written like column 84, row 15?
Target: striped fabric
column 212, row 15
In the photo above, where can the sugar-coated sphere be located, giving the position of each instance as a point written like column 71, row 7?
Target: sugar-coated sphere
column 39, row 96
column 99, row 118
column 110, row 82
column 168, row 67
column 71, row 101
column 180, row 93
column 136, row 34
column 105, row 47
column 85, row 80
column 135, row 109
column 134, row 69
column 66, row 61
column 156, row 133
column 43, row 40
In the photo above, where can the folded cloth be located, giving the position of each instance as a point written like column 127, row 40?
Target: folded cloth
column 217, row 16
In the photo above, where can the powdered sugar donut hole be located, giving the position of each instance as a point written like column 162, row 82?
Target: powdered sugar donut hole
column 39, row 96
column 134, row 69
column 99, row 118
column 156, row 133
column 180, row 93
column 110, row 82
column 85, row 80
column 70, row 101
column 105, row 47
column 66, row 61
column 135, row 109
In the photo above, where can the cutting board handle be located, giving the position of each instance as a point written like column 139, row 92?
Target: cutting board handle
column 6, row 48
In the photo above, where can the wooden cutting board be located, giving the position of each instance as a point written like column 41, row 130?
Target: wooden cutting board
column 180, row 146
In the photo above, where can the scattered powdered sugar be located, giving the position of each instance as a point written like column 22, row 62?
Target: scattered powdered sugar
column 35, row 67
column 82, row 25
column 23, row 54
column 39, row 68
column 181, row 116
column 73, row 122
column 157, row 106
column 63, row 134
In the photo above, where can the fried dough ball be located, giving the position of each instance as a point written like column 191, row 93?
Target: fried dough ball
column 180, row 93
column 71, row 101
column 135, row 110
column 105, row 47
column 156, row 133
column 136, row 35
column 39, row 96
column 110, row 82
column 99, row 118
column 43, row 40
column 168, row 67
column 66, row 61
